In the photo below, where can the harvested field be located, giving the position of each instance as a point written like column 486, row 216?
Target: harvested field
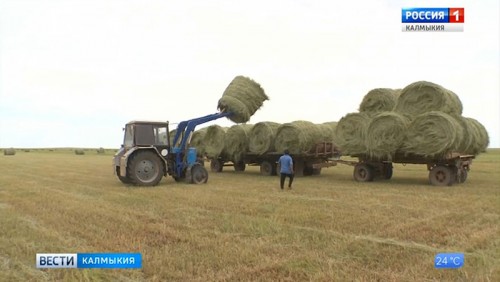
column 240, row 227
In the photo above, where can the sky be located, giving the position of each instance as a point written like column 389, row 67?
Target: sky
column 72, row 73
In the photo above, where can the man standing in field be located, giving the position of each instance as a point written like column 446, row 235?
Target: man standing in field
column 285, row 163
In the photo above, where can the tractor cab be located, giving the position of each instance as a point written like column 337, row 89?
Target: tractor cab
column 145, row 133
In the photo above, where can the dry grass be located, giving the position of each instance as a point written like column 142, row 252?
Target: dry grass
column 239, row 226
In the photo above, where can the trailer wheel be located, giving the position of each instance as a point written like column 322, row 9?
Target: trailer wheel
column 387, row 170
column 463, row 175
column 199, row 174
column 267, row 168
column 239, row 166
column 216, row 165
column 441, row 175
column 363, row 173
column 145, row 168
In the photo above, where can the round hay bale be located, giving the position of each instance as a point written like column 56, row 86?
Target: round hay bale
column 349, row 134
column 433, row 135
column 9, row 152
column 214, row 141
column 397, row 93
column 378, row 100
column 423, row 96
column 456, row 102
column 79, row 152
column 481, row 140
column 298, row 137
column 262, row 136
column 385, row 134
column 198, row 141
column 471, row 134
column 328, row 130
column 236, row 141
column 242, row 97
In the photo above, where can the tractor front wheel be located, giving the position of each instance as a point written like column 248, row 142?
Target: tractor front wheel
column 199, row 174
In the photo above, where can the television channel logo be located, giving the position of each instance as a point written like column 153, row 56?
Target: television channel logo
column 89, row 260
column 433, row 19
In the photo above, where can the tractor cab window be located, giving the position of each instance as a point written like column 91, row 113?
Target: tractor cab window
column 144, row 135
column 129, row 136
column 161, row 136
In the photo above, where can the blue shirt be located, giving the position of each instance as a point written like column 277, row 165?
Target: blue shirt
column 286, row 164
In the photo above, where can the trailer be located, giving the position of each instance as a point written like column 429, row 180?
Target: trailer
column 447, row 170
column 322, row 155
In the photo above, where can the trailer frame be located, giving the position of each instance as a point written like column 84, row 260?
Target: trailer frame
column 307, row 163
column 445, row 170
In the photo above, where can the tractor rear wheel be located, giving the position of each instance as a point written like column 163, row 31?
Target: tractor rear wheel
column 123, row 179
column 145, row 168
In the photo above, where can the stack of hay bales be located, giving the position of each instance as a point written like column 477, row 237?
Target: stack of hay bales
column 214, row 141
column 242, row 97
column 262, row 136
column 79, row 152
column 9, row 152
column 236, row 141
column 425, row 121
column 438, row 127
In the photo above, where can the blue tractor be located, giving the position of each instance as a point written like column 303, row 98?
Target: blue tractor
column 147, row 153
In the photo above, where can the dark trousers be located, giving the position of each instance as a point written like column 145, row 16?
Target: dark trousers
column 282, row 179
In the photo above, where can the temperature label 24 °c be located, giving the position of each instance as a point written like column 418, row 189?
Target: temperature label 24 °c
column 449, row 260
